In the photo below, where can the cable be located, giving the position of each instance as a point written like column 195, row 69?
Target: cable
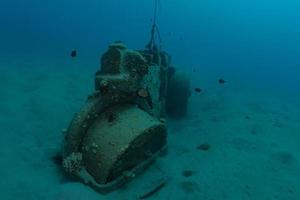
column 155, row 12
column 151, row 44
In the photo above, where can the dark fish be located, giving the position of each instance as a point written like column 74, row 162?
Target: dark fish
column 57, row 159
column 222, row 81
column 73, row 53
column 198, row 90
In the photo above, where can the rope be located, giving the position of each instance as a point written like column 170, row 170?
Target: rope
column 151, row 45
column 155, row 12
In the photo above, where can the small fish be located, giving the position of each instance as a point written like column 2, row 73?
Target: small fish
column 57, row 159
column 222, row 81
column 73, row 53
column 198, row 90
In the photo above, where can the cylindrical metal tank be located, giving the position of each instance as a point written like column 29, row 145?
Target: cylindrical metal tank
column 119, row 139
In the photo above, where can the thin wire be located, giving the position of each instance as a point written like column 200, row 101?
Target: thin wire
column 151, row 45
column 155, row 12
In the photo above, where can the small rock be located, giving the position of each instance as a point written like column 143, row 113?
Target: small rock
column 204, row 147
column 247, row 117
column 188, row 173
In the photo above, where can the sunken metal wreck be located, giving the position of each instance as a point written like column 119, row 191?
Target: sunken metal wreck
column 121, row 128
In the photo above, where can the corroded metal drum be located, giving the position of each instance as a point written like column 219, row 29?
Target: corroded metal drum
column 120, row 139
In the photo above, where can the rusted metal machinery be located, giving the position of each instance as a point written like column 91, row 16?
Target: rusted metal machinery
column 121, row 128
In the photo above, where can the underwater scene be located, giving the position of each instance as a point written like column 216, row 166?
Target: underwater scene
column 150, row 99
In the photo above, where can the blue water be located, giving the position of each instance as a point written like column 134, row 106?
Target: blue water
column 254, row 45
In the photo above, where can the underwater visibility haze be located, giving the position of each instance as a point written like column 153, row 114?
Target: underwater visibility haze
column 240, row 137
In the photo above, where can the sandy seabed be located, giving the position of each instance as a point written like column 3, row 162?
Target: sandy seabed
column 234, row 144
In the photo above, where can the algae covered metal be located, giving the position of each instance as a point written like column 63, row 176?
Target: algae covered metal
column 121, row 128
